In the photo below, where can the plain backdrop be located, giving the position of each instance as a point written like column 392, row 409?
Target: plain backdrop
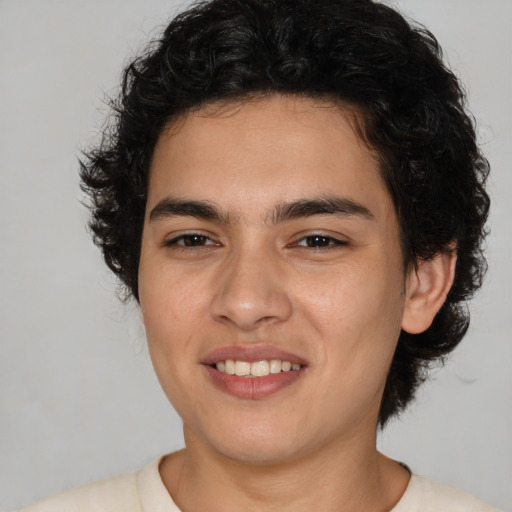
column 78, row 398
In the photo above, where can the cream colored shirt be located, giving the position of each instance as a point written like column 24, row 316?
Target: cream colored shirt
column 144, row 491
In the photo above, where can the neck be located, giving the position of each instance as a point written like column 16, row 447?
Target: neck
column 351, row 477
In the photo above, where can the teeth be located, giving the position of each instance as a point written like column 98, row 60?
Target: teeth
column 230, row 367
column 275, row 366
column 260, row 368
column 242, row 368
column 257, row 369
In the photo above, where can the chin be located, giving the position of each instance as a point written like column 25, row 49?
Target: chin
column 258, row 454
column 260, row 445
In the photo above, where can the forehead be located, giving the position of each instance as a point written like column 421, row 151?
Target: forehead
column 275, row 149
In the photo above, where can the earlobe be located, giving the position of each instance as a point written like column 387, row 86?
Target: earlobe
column 427, row 286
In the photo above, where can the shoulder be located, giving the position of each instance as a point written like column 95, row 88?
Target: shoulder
column 141, row 491
column 117, row 494
column 426, row 495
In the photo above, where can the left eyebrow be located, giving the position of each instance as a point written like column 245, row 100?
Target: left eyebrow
column 171, row 207
column 325, row 205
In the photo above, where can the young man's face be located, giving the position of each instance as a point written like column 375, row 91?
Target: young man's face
column 270, row 236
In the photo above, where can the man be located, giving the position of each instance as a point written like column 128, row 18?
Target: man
column 294, row 196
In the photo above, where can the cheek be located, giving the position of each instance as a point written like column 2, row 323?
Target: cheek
column 356, row 311
column 168, row 321
column 169, row 300
column 355, row 296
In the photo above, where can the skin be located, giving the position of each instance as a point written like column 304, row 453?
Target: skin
column 337, row 301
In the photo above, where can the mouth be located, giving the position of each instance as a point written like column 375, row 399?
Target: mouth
column 253, row 372
column 256, row 369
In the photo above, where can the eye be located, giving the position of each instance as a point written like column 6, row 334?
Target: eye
column 191, row 240
column 319, row 241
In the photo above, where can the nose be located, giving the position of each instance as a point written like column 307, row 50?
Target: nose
column 250, row 292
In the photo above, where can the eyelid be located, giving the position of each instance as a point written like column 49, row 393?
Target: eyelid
column 338, row 239
column 176, row 237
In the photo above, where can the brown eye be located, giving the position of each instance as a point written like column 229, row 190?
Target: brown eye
column 191, row 240
column 319, row 241
column 194, row 240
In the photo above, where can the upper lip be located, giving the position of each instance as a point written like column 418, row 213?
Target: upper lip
column 251, row 354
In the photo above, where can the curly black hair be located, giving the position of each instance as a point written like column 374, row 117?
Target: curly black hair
column 353, row 52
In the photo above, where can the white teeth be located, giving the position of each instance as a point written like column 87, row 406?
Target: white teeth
column 256, row 369
column 242, row 368
column 275, row 366
column 260, row 368
column 230, row 367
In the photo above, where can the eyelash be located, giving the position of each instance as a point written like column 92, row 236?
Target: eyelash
column 332, row 243
column 175, row 242
column 326, row 242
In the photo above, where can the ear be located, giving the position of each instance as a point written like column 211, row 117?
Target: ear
column 427, row 286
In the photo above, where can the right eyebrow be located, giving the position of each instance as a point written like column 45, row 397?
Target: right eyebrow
column 323, row 205
column 170, row 207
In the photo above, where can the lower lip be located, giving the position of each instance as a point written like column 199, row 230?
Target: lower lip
column 253, row 387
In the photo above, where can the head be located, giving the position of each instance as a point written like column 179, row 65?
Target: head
column 361, row 57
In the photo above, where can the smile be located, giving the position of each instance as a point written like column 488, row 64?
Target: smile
column 257, row 368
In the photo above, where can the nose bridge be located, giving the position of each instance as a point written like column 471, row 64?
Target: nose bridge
column 251, row 290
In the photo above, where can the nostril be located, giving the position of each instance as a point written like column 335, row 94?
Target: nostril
column 267, row 319
column 250, row 299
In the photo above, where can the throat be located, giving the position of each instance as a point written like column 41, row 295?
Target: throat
column 287, row 487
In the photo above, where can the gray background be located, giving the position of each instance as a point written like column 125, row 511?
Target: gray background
column 78, row 399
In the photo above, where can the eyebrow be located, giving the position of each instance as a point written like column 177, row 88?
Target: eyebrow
column 324, row 205
column 170, row 207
